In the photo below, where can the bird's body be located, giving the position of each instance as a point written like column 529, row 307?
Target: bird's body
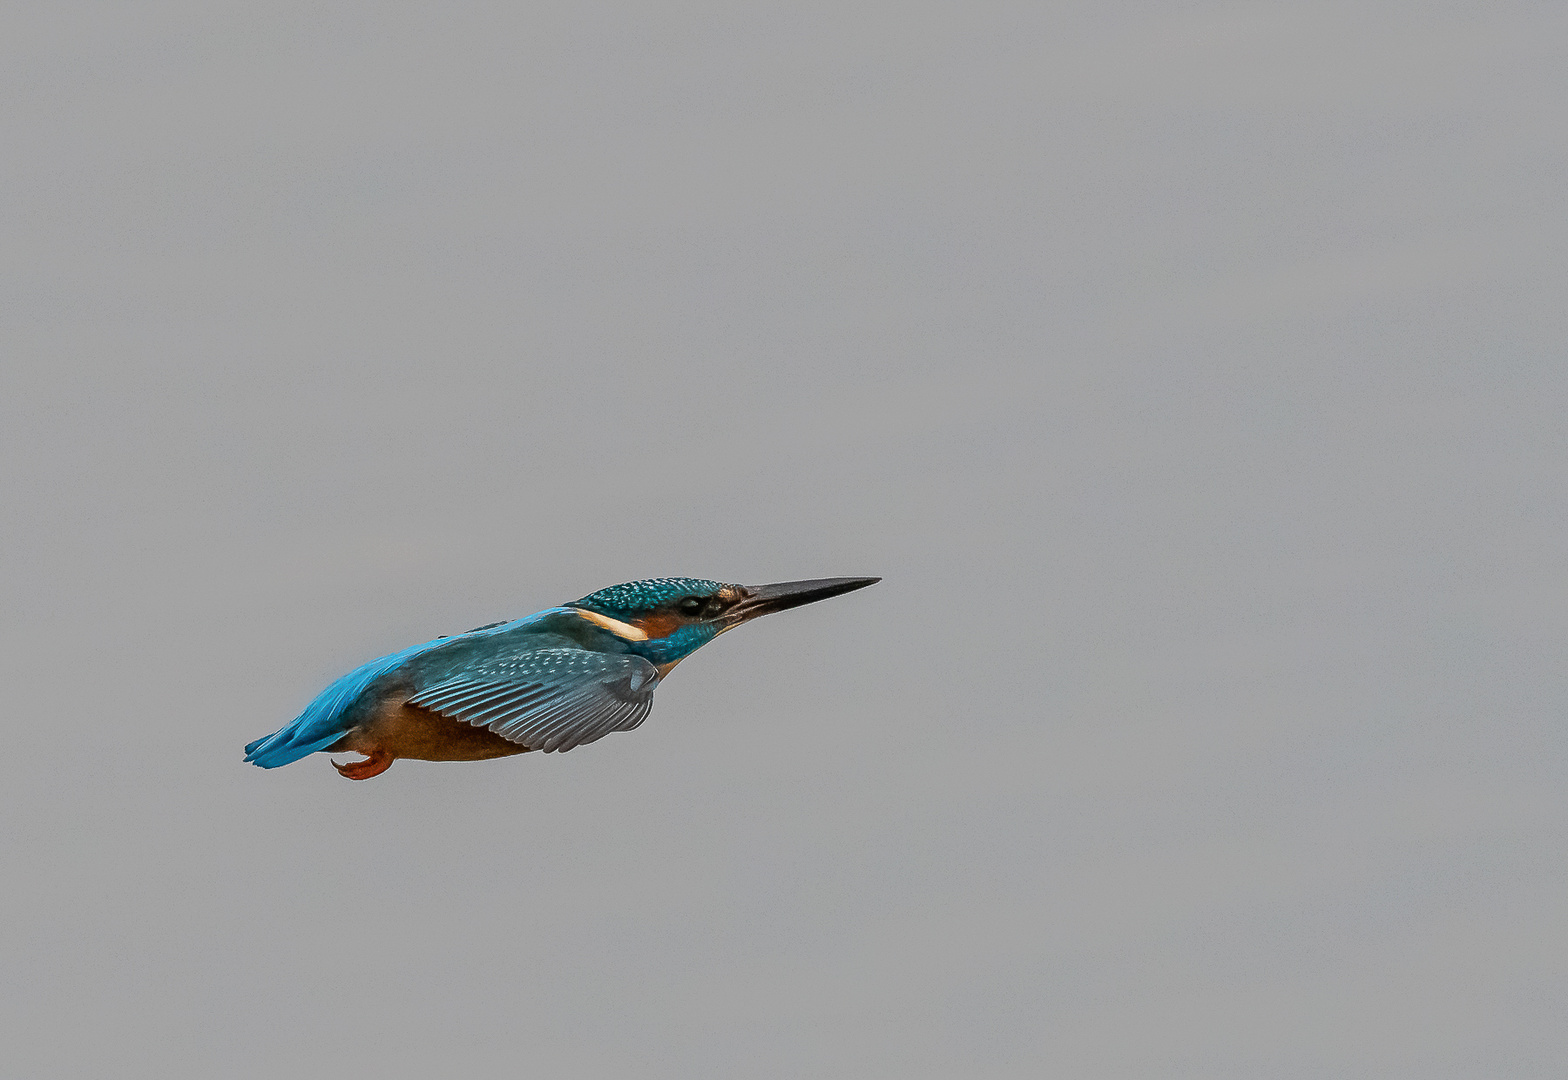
column 557, row 679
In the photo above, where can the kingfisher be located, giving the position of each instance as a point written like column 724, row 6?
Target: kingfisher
column 559, row 678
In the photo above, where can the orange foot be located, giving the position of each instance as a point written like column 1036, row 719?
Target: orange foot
column 377, row 763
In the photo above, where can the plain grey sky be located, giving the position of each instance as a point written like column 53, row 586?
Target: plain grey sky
column 1194, row 375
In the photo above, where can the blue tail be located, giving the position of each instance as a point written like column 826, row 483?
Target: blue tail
column 327, row 719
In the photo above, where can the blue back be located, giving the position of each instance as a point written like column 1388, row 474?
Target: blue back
column 343, row 704
column 328, row 718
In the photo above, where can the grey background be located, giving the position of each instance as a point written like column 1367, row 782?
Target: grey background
column 1193, row 374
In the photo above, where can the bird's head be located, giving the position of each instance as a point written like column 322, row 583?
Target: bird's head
column 668, row 618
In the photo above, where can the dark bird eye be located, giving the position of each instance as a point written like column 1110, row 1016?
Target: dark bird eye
column 691, row 605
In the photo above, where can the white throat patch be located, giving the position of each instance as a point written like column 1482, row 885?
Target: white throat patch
column 620, row 629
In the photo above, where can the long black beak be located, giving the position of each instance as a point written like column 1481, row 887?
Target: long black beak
column 766, row 599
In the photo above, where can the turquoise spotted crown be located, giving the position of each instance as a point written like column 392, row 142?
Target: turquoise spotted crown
column 635, row 596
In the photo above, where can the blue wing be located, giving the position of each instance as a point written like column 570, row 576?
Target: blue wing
column 545, row 699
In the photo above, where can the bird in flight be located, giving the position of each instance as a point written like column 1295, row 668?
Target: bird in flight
column 557, row 679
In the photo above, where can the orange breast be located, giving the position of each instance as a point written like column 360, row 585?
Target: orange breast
column 408, row 731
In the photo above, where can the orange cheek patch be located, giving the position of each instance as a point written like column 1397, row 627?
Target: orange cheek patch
column 660, row 624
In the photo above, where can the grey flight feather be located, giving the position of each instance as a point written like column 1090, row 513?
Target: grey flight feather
column 547, row 699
